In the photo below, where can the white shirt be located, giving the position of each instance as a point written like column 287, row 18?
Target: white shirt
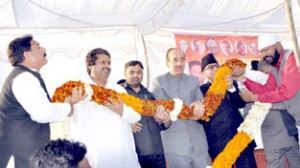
column 106, row 134
column 32, row 97
column 256, row 76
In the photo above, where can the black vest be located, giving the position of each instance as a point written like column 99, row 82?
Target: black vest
column 15, row 123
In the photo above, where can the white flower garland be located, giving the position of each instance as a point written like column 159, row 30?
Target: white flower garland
column 255, row 118
column 89, row 91
column 177, row 108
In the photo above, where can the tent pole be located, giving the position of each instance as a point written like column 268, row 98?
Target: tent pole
column 146, row 60
column 293, row 31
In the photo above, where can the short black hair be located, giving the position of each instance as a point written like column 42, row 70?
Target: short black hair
column 58, row 153
column 91, row 57
column 133, row 63
column 16, row 49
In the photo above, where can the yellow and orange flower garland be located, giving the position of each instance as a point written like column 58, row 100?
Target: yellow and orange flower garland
column 216, row 91
column 212, row 100
column 243, row 138
column 101, row 95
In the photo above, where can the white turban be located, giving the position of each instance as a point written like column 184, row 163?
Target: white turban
column 267, row 40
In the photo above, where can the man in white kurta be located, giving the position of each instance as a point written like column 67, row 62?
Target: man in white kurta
column 106, row 132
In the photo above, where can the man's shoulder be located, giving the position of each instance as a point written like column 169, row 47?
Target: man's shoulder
column 204, row 87
column 288, row 51
column 144, row 88
column 149, row 94
column 161, row 78
column 116, row 87
column 288, row 54
column 191, row 79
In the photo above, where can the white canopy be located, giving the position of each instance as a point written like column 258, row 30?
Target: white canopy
column 221, row 16
column 70, row 28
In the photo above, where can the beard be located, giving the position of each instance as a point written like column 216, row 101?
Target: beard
column 275, row 58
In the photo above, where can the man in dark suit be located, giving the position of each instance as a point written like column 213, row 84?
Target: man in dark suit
column 223, row 125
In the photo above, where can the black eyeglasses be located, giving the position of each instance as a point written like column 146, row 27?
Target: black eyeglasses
column 211, row 67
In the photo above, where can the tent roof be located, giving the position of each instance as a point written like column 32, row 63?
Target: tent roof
column 226, row 16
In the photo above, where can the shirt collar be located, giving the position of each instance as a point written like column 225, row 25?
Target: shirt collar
column 126, row 86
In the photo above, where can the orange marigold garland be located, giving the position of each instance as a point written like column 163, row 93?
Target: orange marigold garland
column 102, row 95
column 232, row 151
column 212, row 100
column 66, row 90
column 217, row 90
column 243, row 138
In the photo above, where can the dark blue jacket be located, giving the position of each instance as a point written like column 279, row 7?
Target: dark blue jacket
column 223, row 125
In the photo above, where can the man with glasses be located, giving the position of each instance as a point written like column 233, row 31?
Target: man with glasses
column 184, row 141
column 223, row 125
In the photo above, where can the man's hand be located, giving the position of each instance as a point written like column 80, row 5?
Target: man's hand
column 75, row 98
column 238, row 71
column 247, row 96
column 240, row 78
column 159, row 114
column 198, row 109
column 137, row 127
column 162, row 116
column 114, row 106
column 229, row 81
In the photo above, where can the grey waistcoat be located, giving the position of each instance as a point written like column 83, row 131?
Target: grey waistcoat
column 292, row 104
column 274, row 132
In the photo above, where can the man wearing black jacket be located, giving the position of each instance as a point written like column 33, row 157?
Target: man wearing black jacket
column 147, row 136
column 223, row 125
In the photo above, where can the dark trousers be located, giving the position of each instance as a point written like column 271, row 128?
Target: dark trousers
column 21, row 149
column 4, row 156
column 20, row 161
column 152, row 161
column 246, row 159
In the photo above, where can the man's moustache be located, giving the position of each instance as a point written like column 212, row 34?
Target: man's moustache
column 268, row 59
column 108, row 69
